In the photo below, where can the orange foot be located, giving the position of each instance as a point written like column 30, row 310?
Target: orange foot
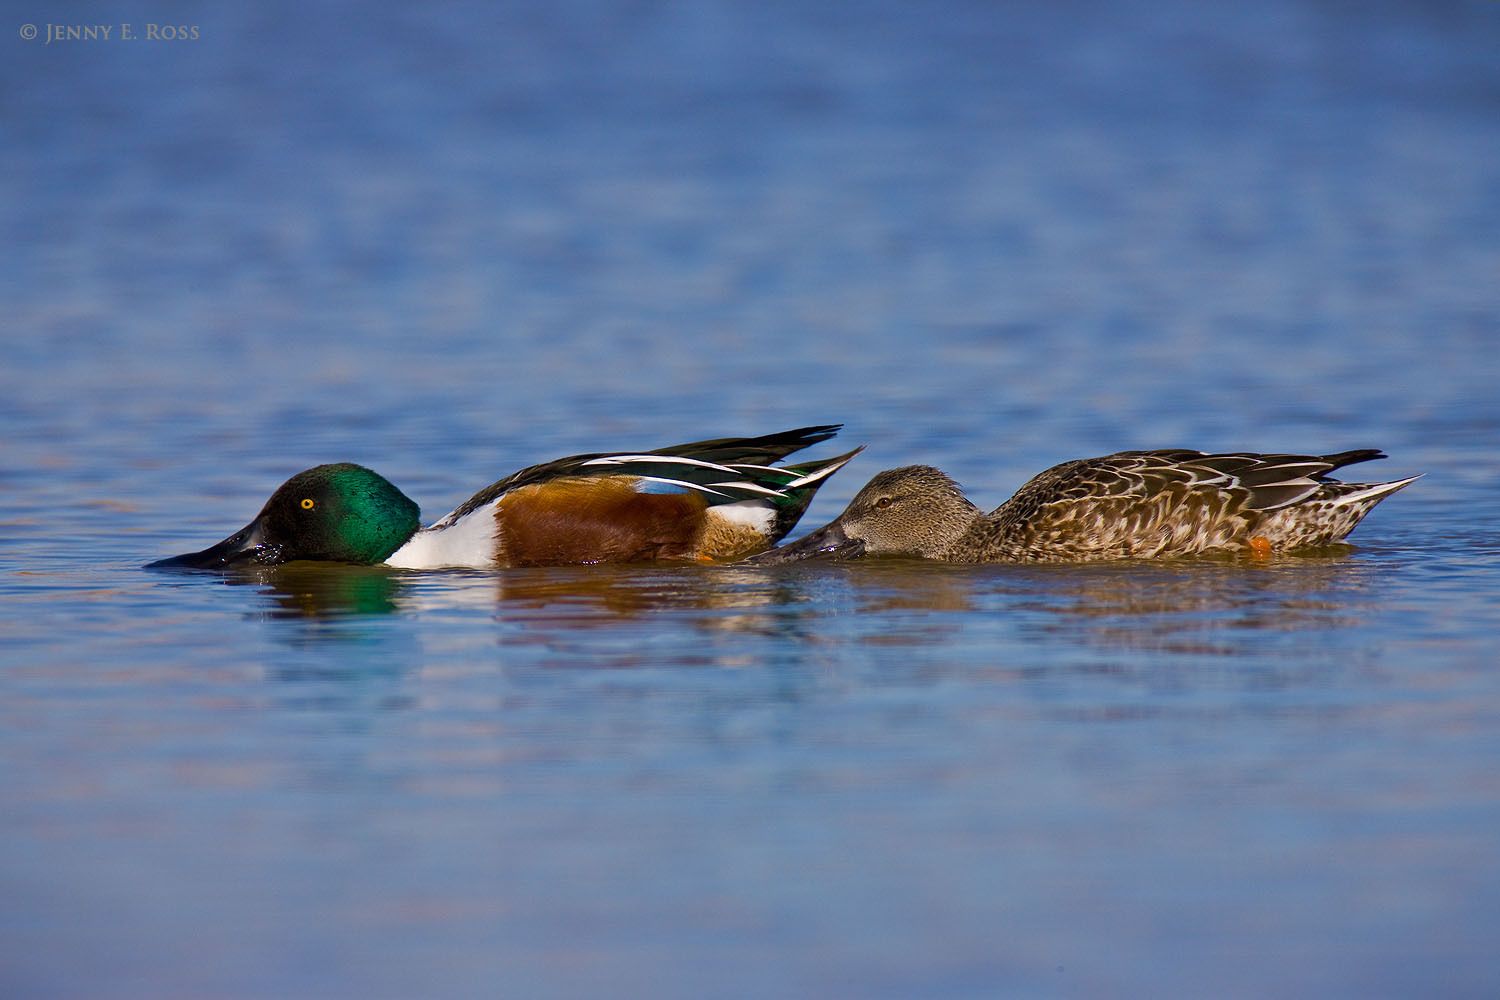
column 1260, row 546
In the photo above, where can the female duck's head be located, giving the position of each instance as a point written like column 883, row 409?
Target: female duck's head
column 334, row 513
column 915, row 510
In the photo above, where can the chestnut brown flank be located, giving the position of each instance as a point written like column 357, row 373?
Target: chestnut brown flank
column 568, row 521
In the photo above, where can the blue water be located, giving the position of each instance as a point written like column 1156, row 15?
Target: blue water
column 450, row 241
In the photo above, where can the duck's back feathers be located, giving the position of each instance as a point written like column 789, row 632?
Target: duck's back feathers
column 699, row 466
column 708, row 500
column 764, row 450
column 1178, row 502
column 1270, row 481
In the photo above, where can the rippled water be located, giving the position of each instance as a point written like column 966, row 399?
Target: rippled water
column 457, row 240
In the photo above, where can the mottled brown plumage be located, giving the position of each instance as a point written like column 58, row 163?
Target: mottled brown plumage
column 1134, row 504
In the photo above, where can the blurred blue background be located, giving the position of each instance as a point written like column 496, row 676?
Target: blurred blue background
column 454, row 239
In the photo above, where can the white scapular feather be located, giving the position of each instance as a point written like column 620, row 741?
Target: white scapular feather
column 679, row 482
column 751, row 487
column 655, row 460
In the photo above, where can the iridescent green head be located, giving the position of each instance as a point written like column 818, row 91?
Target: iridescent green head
column 334, row 513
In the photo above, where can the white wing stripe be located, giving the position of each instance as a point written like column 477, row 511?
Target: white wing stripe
column 679, row 482
column 751, row 487
column 813, row 477
column 656, row 460
column 1302, row 471
column 1294, row 481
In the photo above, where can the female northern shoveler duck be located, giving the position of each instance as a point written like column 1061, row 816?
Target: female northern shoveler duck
column 1135, row 504
column 707, row 501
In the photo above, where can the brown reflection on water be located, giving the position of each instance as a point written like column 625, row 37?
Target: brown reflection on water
column 603, row 595
column 1149, row 603
column 1235, row 624
column 1197, row 608
column 649, row 616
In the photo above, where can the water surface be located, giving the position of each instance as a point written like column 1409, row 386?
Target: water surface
column 458, row 240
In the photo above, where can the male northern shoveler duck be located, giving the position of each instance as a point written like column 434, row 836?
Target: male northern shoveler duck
column 1134, row 504
column 706, row 501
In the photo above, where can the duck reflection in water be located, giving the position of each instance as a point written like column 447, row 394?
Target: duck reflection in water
column 1135, row 606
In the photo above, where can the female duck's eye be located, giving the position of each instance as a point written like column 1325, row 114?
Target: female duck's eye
column 883, row 502
column 307, row 503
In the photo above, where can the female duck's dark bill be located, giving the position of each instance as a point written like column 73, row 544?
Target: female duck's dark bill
column 248, row 545
column 828, row 542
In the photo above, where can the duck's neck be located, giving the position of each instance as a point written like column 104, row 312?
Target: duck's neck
column 949, row 535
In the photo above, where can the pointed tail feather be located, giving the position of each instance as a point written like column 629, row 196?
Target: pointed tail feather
column 799, row 492
column 809, row 473
column 1369, row 494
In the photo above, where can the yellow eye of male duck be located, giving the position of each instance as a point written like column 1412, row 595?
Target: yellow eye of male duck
column 307, row 503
